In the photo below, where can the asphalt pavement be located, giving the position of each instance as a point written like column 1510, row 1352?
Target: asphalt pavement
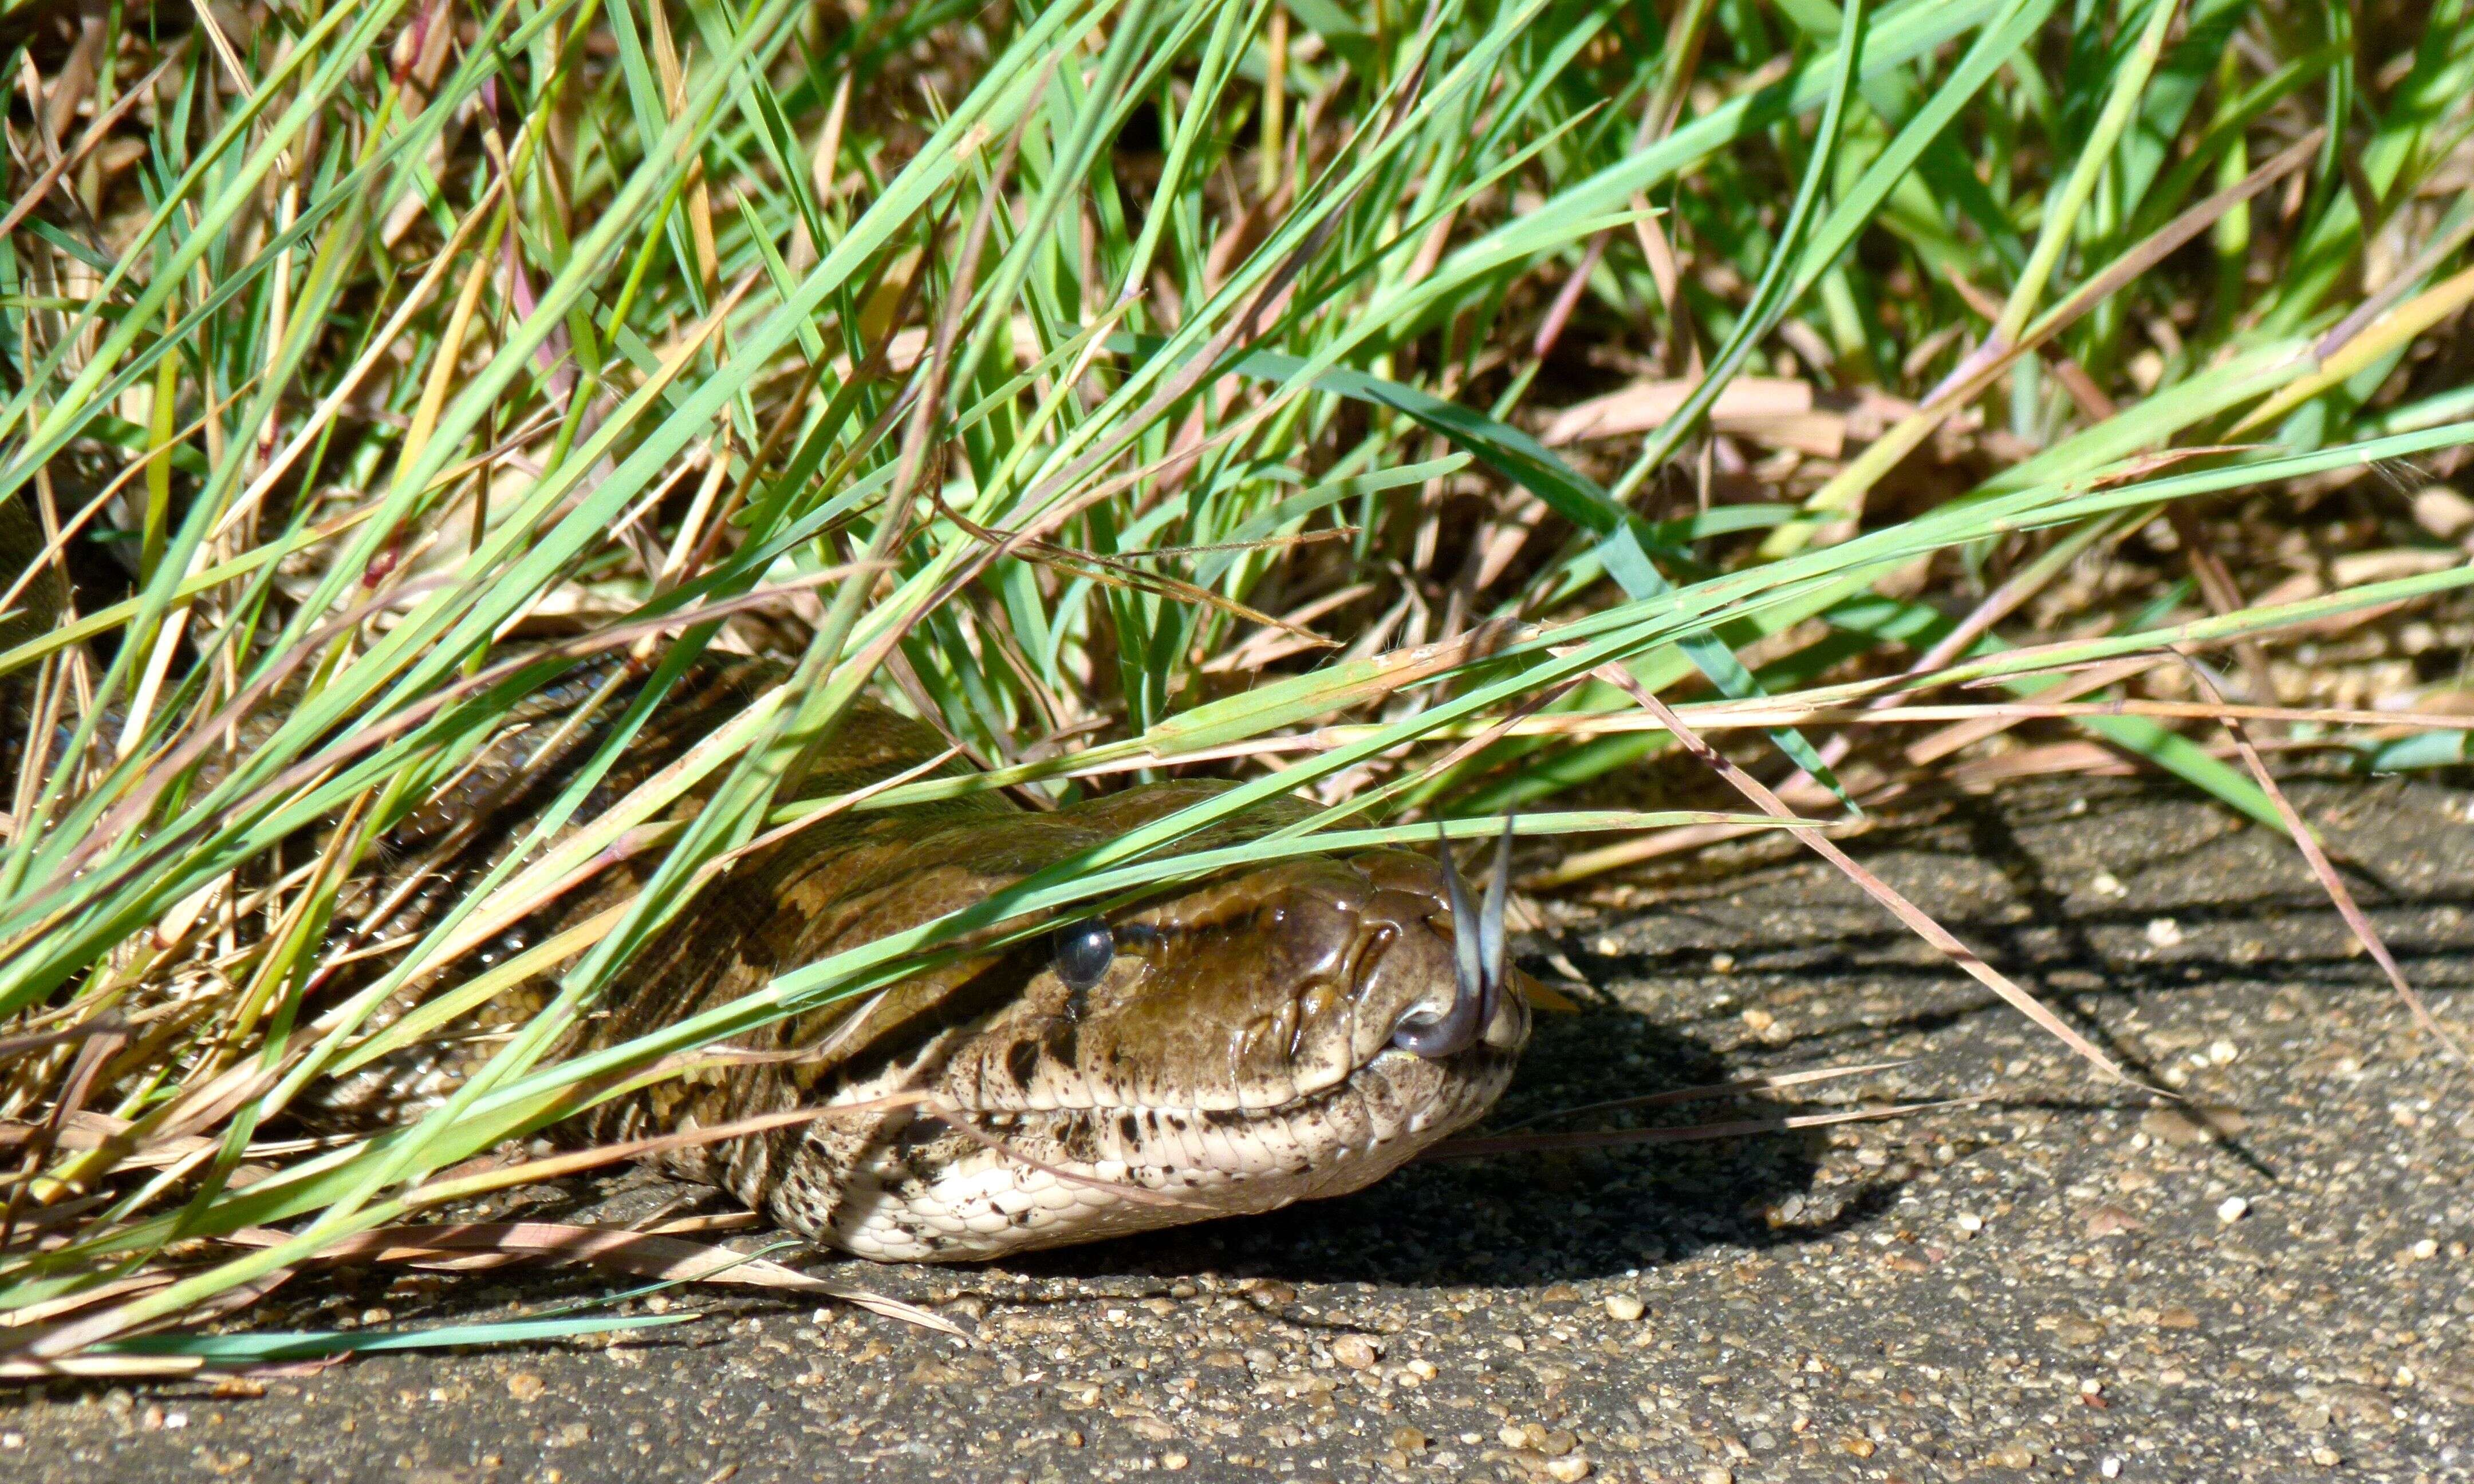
column 2049, row 1276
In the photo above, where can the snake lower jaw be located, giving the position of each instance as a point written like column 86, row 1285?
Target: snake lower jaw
column 1019, row 1180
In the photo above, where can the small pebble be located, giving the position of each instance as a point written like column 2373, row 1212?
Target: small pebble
column 2187, row 1128
column 2076, row 1331
column 525, row 1386
column 2111, row 1221
column 2232, row 1208
column 1355, row 1351
column 1626, row 1307
column 1570, row 1468
column 2164, row 933
column 2104, row 883
column 2442, row 512
column 1969, row 1222
column 1172, row 1462
column 2110, row 1468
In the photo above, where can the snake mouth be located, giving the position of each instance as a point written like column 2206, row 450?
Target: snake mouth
column 1479, row 1063
column 1020, row 1178
column 1320, row 1134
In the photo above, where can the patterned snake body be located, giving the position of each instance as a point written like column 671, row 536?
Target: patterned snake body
column 1278, row 1032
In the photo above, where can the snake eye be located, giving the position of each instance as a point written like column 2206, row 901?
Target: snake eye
column 1083, row 951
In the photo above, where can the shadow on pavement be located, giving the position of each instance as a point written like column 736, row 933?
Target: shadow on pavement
column 1515, row 1219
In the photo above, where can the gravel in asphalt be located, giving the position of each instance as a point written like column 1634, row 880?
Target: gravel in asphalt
column 2056, row 1278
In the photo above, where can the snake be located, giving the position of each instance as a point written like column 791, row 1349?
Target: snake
column 1294, row 1028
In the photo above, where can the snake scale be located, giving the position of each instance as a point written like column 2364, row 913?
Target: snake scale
column 1285, row 1031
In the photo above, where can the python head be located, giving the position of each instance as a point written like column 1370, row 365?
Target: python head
column 1287, row 1032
